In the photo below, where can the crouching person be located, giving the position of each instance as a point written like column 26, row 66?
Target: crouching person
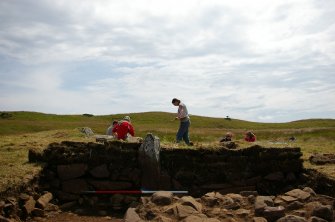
column 124, row 128
column 250, row 137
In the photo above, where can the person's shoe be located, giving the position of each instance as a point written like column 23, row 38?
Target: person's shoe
column 191, row 143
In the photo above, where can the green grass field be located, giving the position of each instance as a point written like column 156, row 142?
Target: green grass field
column 21, row 131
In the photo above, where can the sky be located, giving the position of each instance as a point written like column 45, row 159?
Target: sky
column 263, row 61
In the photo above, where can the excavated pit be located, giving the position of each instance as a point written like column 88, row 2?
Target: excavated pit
column 101, row 177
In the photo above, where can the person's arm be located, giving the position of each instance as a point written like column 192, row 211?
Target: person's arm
column 131, row 130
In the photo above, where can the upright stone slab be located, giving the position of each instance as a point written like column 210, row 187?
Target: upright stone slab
column 149, row 161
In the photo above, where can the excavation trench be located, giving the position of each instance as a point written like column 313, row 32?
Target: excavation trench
column 95, row 178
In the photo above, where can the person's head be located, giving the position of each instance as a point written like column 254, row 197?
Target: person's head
column 229, row 135
column 175, row 101
column 115, row 122
column 126, row 118
column 250, row 134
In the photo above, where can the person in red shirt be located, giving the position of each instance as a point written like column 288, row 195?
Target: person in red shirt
column 124, row 128
column 250, row 137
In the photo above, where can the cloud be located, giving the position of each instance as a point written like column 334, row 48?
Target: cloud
column 260, row 61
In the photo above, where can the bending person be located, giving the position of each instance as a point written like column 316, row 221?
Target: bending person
column 124, row 128
column 185, row 122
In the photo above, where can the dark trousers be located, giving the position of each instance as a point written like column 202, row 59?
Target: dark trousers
column 182, row 133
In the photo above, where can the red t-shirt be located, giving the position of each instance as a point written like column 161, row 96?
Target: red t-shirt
column 122, row 129
column 250, row 139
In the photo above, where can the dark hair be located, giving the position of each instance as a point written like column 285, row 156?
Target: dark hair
column 175, row 100
column 115, row 122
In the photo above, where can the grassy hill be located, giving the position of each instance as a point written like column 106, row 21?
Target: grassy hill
column 20, row 131
column 162, row 124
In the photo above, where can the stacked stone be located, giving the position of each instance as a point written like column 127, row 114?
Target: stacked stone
column 26, row 205
column 295, row 205
column 267, row 170
column 74, row 168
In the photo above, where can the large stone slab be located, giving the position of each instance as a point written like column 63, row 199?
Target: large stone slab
column 162, row 198
column 71, row 171
column 298, row 193
column 150, row 162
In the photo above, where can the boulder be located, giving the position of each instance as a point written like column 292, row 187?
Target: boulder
column 273, row 213
column 132, row 216
column 295, row 205
column 162, row 198
column 261, row 202
column 324, row 211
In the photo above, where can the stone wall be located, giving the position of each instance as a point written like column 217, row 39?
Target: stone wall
column 74, row 168
column 267, row 170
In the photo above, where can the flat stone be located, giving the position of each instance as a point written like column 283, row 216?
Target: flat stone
column 298, row 193
column 43, row 201
column 288, row 198
column 291, row 218
column 29, row 205
column 162, row 198
column 190, row 201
